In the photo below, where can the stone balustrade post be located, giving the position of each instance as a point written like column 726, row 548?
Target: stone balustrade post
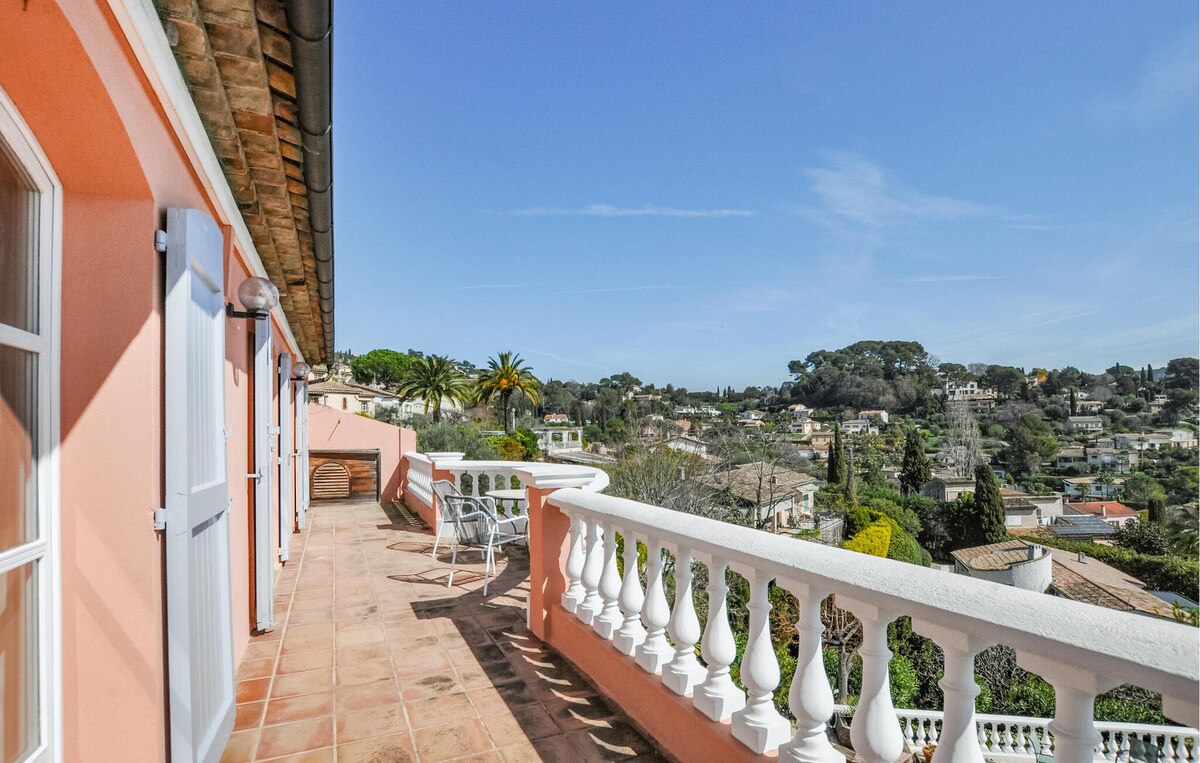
column 958, row 740
column 683, row 672
column 874, row 731
column 718, row 697
column 759, row 725
column 1075, row 691
column 632, row 633
column 609, row 618
column 593, row 568
column 810, row 697
column 573, row 596
column 654, row 652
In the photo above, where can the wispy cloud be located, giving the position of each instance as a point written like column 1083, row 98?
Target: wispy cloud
column 606, row 210
column 856, row 191
column 615, row 289
column 565, row 359
column 495, row 286
column 1051, row 311
column 944, row 279
column 1167, row 82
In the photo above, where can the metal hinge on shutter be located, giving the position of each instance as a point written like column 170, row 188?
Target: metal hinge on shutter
column 160, row 519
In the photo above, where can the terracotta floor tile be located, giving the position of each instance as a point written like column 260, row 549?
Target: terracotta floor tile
column 241, row 747
column 359, row 653
column 261, row 650
column 521, row 723
column 325, row 755
column 413, row 688
column 435, row 710
column 463, row 737
column 256, row 669
column 393, row 749
column 364, row 673
column 254, row 690
column 571, row 716
column 408, row 664
column 249, row 715
column 313, row 616
column 307, row 643
column 299, row 708
column 308, row 629
column 356, row 725
column 307, row 682
column 480, row 757
column 367, row 695
column 369, row 635
column 291, row 738
column 617, row 742
column 304, row 661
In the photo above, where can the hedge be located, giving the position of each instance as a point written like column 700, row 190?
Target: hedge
column 1159, row 573
column 874, row 539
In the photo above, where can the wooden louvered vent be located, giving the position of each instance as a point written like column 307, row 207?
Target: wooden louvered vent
column 331, row 480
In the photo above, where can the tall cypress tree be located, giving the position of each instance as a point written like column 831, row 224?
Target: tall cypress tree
column 915, row 469
column 851, row 490
column 835, row 473
column 989, row 506
column 1072, row 401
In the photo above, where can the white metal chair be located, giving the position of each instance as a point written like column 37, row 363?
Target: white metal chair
column 442, row 489
column 477, row 526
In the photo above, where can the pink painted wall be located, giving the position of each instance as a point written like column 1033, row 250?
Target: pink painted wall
column 331, row 429
column 681, row 730
column 76, row 83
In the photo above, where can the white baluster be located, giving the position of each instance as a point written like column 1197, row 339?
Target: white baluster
column 759, row 725
column 573, row 596
column 981, row 735
column 958, row 743
column 874, row 732
column 718, row 697
column 609, row 618
column 810, row 697
column 683, row 672
column 908, row 726
column 593, row 566
column 654, row 652
column 1020, row 742
column 1075, row 735
column 474, row 483
column 632, row 633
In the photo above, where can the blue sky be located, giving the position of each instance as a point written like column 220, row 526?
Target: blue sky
column 699, row 194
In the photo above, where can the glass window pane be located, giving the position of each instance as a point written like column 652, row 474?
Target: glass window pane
column 18, row 247
column 18, row 447
column 19, row 702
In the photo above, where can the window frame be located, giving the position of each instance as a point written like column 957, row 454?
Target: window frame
column 43, row 551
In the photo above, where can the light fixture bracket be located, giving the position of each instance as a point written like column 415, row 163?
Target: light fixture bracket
column 253, row 315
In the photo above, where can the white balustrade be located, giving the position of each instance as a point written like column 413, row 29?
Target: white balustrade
column 1080, row 649
column 683, row 672
column 654, row 652
column 718, row 697
column 420, row 478
column 573, row 595
column 631, row 633
column 609, row 617
column 593, row 568
column 759, row 725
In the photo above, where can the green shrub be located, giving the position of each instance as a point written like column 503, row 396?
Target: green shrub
column 906, row 519
column 874, row 539
column 857, row 519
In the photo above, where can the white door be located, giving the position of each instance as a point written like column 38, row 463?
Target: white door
column 302, row 491
column 264, row 447
column 287, row 505
column 199, row 612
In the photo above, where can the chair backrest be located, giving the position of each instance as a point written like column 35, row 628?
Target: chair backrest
column 474, row 521
column 443, row 489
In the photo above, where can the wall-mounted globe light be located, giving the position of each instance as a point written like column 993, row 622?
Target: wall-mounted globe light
column 300, row 371
column 258, row 296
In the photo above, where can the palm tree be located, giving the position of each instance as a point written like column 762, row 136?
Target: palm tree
column 433, row 379
column 505, row 376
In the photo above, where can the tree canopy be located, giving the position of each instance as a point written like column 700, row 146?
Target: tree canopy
column 381, row 368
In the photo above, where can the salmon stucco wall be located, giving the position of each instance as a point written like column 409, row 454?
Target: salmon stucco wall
column 76, row 83
column 330, row 429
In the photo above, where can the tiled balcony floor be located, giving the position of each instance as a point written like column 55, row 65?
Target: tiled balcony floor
column 375, row 659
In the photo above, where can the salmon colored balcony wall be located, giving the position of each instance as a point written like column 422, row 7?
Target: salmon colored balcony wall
column 330, row 429
column 75, row 82
column 664, row 716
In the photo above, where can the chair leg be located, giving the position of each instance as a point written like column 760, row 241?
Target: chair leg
column 453, row 561
column 487, row 571
column 437, row 538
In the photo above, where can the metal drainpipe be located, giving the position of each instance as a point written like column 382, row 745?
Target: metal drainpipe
column 311, row 25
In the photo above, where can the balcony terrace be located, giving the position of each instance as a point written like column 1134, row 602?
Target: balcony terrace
column 377, row 660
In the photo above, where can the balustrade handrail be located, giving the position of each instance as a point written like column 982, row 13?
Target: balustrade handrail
column 455, row 464
column 1096, row 642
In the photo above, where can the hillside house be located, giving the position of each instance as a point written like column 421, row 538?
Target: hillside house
column 1086, row 424
column 800, row 411
column 772, row 492
column 882, row 415
column 685, row 444
column 976, row 398
column 1115, row 513
column 1092, row 487
column 355, row 398
column 947, row 488
column 804, row 426
column 859, row 426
